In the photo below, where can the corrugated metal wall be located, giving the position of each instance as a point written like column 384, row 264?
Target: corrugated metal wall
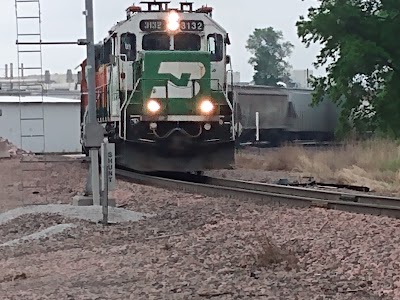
column 62, row 126
column 9, row 122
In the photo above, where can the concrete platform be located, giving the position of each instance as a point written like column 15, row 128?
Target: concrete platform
column 88, row 201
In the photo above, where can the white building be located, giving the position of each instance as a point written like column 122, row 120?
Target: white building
column 301, row 77
column 22, row 123
column 233, row 77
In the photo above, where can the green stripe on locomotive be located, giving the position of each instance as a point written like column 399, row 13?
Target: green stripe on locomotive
column 169, row 76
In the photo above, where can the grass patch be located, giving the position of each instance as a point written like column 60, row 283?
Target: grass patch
column 373, row 163
column 391, row 165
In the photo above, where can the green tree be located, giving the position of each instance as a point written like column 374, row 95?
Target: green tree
column 268, row 56
column 361, row 52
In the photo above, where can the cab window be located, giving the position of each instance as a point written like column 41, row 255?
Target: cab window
column 216, row 46
column 98, row 48
column 187, row 42
column 128, row 46
column 107, row 52
column 156, row 41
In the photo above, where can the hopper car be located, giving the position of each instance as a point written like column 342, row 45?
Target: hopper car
column 306, row 123
column 285, row 115
column 271, row 104
column 161, row 89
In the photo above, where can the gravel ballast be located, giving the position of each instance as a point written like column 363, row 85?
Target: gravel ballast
column 88, row 213
column 41, row 234
column 196, row 247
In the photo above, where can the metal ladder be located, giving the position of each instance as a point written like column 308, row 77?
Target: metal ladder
column 32, row 118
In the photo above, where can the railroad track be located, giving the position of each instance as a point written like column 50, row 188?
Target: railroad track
column 269, row 193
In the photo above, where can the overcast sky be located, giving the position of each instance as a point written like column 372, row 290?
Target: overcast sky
column 62, row 20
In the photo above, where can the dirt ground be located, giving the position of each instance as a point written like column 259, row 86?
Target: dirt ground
column 26, row 183
column 195, row 247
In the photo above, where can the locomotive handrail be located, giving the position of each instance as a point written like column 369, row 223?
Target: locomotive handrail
column 232, row 105
column 126, row 89
column 221, row 88
column 126, row 81
column 124, row 108
column 101, row 91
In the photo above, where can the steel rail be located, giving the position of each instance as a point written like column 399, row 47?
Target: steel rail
column 272, row 194
column 305, row 192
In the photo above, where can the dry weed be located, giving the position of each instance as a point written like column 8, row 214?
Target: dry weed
column 282, row 160
column 271, row 254
column 374, row 163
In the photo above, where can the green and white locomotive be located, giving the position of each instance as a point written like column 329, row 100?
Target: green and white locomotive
column 162, row 89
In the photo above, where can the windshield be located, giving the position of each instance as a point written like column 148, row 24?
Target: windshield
column 187, row 42
column 156, row 41
column 161, row 41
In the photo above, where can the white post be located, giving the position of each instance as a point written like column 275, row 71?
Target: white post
column 108, row 179
column 257, row 126
column 104, row 181
column 95, row 176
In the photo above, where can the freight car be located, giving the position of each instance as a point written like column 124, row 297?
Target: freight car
column 310, row 123
column 284, row 115
column 271, row 104
column 161, row 89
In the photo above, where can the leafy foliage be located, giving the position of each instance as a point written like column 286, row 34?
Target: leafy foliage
column 361, row 48
column 269, row 55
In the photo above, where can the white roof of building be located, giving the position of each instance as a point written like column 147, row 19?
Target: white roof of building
column 36, row 99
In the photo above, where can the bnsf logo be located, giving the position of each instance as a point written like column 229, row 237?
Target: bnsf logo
column 180, row 79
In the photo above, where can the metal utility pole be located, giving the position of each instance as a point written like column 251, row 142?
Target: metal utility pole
column 90, row 61
column 93, row 132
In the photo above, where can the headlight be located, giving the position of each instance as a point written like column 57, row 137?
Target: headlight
column 153, row 106
column 206, row 106
column 173, row 21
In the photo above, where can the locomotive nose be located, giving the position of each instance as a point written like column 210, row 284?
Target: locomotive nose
column 180, row 143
